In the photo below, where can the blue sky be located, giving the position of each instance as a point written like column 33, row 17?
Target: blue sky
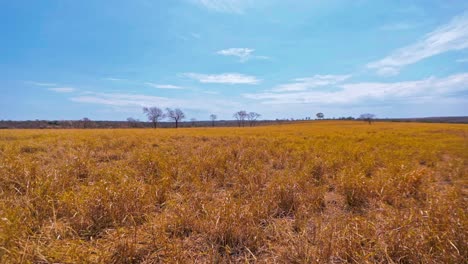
column 105, row 60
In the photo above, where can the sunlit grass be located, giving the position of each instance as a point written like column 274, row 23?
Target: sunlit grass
column 299, row 193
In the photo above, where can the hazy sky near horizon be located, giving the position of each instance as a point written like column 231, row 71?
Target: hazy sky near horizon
column 105, row 60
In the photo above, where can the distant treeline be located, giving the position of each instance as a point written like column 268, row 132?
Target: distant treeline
column 442, row 119
column 69, row 124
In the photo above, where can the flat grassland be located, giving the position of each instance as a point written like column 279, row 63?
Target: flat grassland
column 315, row 192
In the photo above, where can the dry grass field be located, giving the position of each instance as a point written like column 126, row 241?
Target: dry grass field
column 316, row 192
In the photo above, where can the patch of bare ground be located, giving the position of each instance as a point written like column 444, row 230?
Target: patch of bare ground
column 334, row 204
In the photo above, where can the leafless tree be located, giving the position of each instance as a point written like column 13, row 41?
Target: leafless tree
column 240, row 117
column 320, row 115
column 154, row 114
column 213, row 118
column 176, row 115
column 252, row 117
column 367, row 117
column 132, row 122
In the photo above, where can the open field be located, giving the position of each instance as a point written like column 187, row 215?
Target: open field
column 325, row 192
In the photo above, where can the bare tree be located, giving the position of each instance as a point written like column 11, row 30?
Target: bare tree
column 252, row 117
column 154, row 114
column 213, row 118
column 367, row 117
column 132, row 122
column 240, row 117
column 320, row 115
column 177, row 115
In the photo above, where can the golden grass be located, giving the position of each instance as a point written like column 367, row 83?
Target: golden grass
column 316, row 192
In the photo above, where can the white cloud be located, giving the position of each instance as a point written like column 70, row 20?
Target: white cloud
column 164, row 86
column 225, row 6
column 228, row 78
column 187, row 36
column 397, row 26
column 119, row 99
column 113, row 79
column 302, row 84
column 449, row 37
column 41, row 84
column 210, row 92
column 62, row 89
column 426, row 89
column 195, row 35
column 262, row 57
column 387, row 71
column 135, row 101
column 243, row 54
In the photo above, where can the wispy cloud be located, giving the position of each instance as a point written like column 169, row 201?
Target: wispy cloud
column 187, row 36
column 53, row 87
column 113, row 79
column 210, row 92
column 387, row 71
column 244, row 54
column 41, row 84
column 226, row 6
column 227, row 78
column 426, row 89
column 463, row 60
column 398, row 26
column 195, row 35
column 62, row 89
column 302, row 84
column 119, row 99
column 164, row 86
column 134, row 101
column 449, row 37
